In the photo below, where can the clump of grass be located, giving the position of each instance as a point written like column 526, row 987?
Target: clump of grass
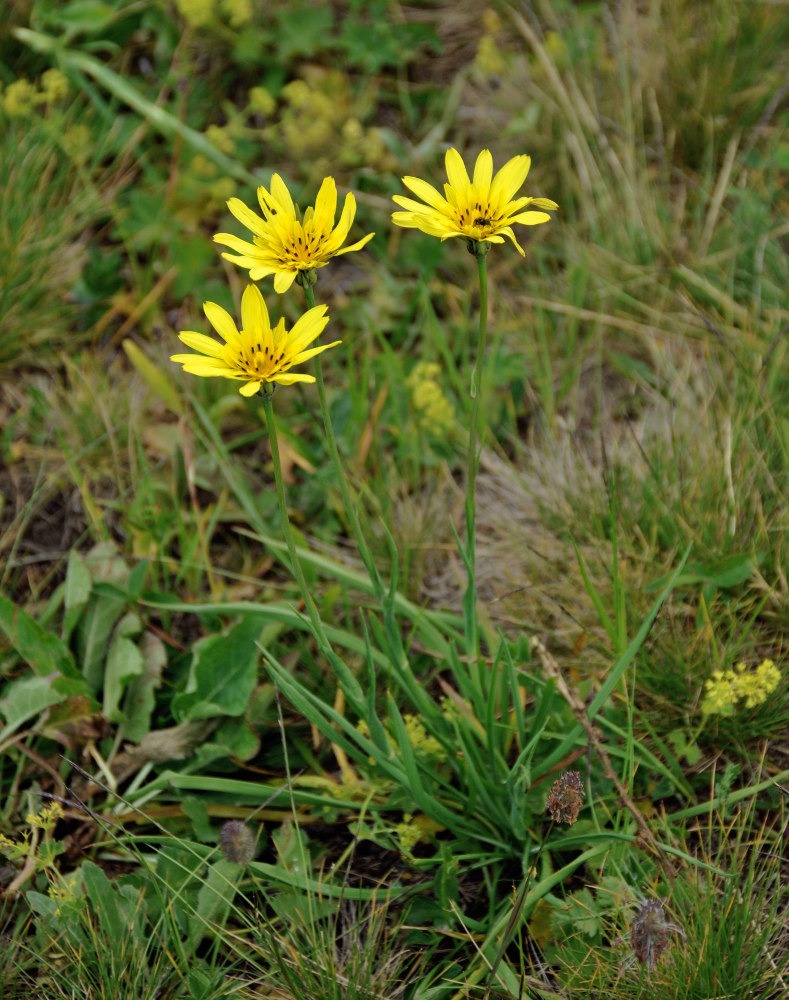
column 47, row 212
column 718, row 935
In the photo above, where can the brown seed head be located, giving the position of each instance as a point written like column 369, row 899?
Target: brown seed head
column 650, row 932
column 566, row 797
column 237, row 842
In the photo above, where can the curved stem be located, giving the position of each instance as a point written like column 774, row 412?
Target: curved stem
column 474, row 451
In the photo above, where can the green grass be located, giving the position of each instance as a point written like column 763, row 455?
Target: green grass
column 159, row 676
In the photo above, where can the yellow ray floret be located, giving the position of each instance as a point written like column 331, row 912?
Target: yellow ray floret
column 282, row 243
column 257, row 353
column 481, row 208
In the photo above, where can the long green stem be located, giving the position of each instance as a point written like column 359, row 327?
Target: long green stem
column 271, row 429
column 348, row 501
column 474, row 451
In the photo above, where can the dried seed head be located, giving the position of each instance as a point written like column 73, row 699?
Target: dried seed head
column 566, row 797
column 650, row 932
column 237, row 842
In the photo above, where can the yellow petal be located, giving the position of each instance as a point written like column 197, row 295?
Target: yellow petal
column 250, row 388
column 306, row 355
column 509, row 233
column 483, row 172
column 199, row 342
column 228, row 240
column 202, row 366
column 405, row 219
column 456, row 170
column 410, row 204
column 280, row 193
column 254, row 315
column 425, row 191
column 326, row 204
column 221, row 321
column 531, row 218
column 246, row 216
column 288, row 378
column 509, row 179
column 257, row 271
column 282, row 279
column 358, row 245
column 308, row 326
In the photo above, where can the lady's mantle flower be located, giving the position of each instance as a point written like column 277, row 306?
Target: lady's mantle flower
column 283, row 245
column 257, row 354
column 726, row 687
column 481, row 209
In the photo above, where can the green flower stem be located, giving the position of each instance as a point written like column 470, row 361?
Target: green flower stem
column 348, row 501
column 271, row 428
column 474, row 451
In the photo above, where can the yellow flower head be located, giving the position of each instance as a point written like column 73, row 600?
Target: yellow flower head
column 257, row 354
column 283, row 244
column 480, row 208
column 725, row 688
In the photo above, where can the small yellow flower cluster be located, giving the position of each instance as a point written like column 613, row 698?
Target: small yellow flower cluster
column 237, row 12
column 321, row 117
column 419, row 829
column 424, row 746
column 47, row 818
column 727, row 687
column 201, row 13
column 202, row 190
column 64, row 893
column 311, row 116
column 260, row 102
column 15, row 849
column 21, row 97
column 221, row 137
column 196, row 13
column 434, row 412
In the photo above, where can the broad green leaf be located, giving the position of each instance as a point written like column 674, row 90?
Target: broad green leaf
column 93, row 631
column 222, row 675
column 140, row 697
column 78, row 581
column 101, row 894
column 43, row 651
column 234, row 738
column 214, row 899
column 24, row 699
column 124, row 661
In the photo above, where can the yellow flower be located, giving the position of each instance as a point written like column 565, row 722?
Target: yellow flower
column 756, row 687
column 19, row 98
column 196, row 13
column 720, row 695
column 434, row 411
column 54, row 86
column 284, row 245
column 725, row 688
column 260, row 101
column 480, row 208
column 257, row 354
